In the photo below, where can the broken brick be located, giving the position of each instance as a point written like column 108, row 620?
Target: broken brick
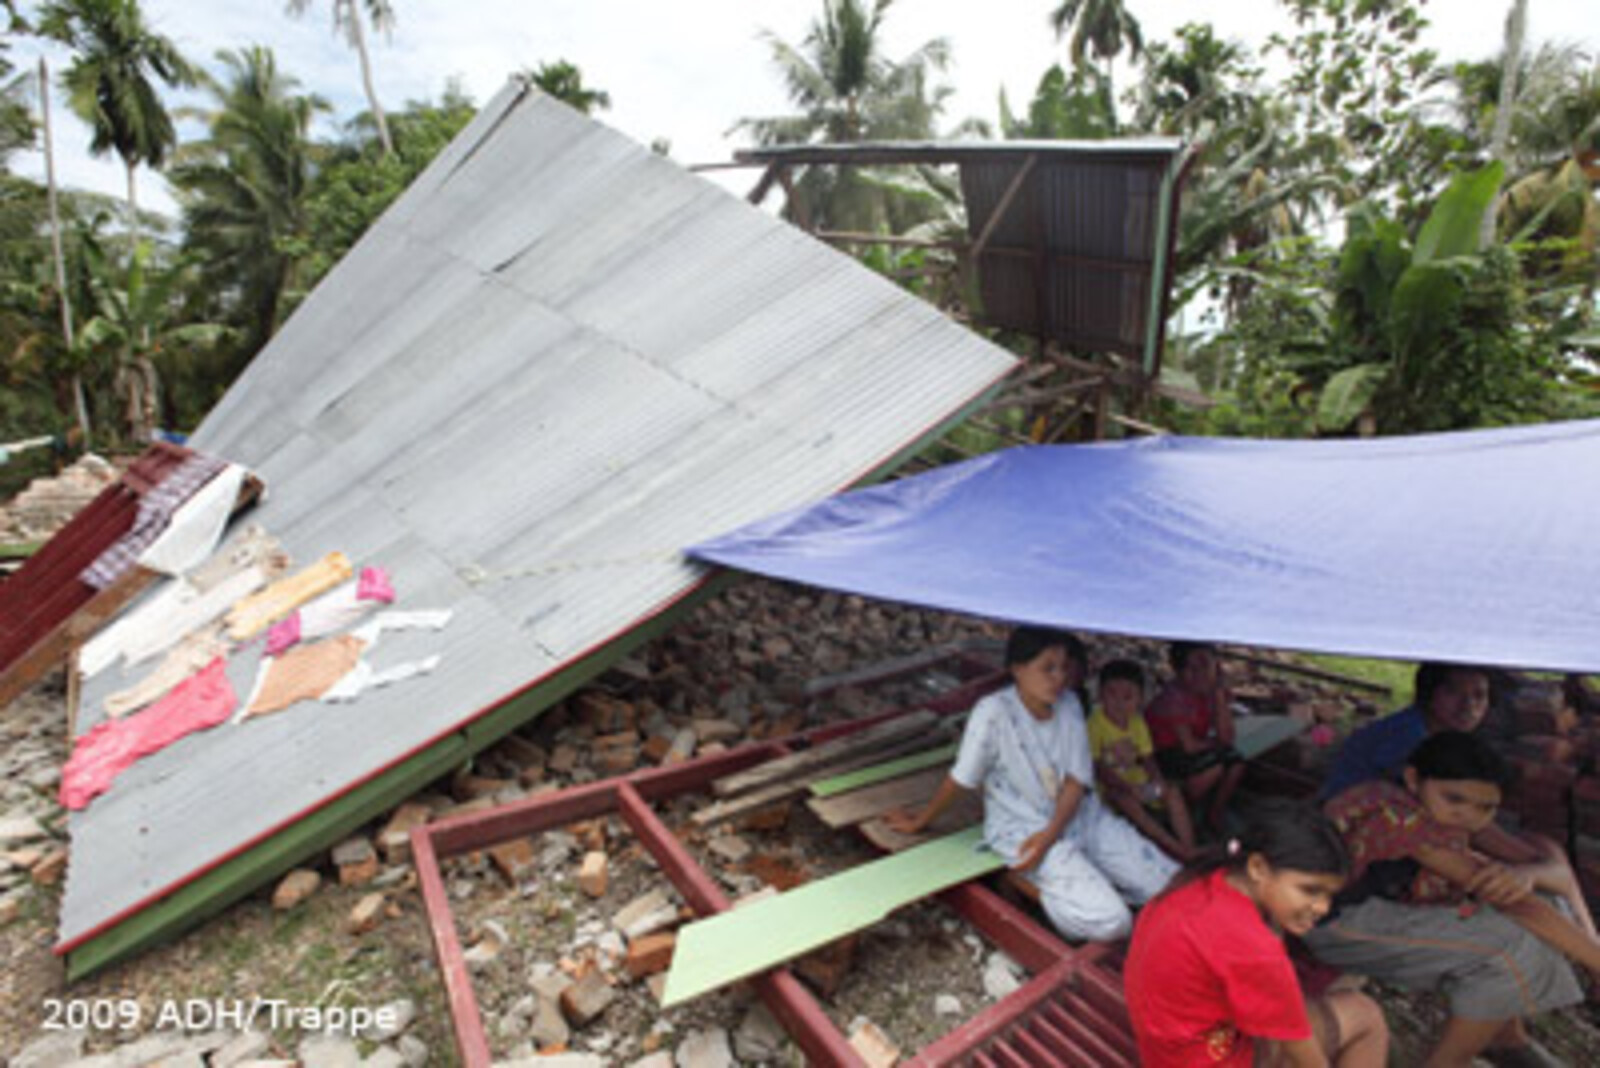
column 515, row 859
column 650, row 954
column 49, row 869
column 826, row 968
column 356, row 860
column 593, row 874
column 395, row 838
column 366, row 915
column 295, row 888
column 873, row 1045
column 587, row 998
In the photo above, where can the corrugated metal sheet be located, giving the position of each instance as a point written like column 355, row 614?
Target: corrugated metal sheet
column 46, row 591
column 558, row 359
column 1078, row 255
column 1074, row 256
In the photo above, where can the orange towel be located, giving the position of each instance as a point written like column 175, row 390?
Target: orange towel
column 264, row 608
column 305, row 673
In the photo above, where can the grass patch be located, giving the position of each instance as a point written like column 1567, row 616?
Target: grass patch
column 1396, row 675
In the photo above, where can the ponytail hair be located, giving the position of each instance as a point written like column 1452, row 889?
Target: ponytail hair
column 1290, row 835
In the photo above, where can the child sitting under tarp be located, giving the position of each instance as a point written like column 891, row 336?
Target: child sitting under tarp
column 1026, row 747
column 1191, row 724
column 1124, row 762
column 1425, row 912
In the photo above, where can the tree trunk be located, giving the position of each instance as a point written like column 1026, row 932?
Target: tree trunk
column 55, row 244
column 133, row 206
column 1516, row 29
column 359, row 36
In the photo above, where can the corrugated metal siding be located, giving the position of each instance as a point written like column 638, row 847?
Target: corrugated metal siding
column 1087, row 229
column 46, row 591
column 556, row 361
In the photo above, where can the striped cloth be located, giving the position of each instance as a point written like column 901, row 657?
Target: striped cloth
column 155, row 512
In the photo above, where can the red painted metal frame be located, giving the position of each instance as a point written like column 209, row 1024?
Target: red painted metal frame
column 1056, row 965
column 46, row 590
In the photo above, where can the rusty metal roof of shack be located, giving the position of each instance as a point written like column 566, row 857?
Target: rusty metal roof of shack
column 555, row 361
column 1072, row 241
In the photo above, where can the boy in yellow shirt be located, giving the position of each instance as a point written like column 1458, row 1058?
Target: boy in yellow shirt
column 1125, row 766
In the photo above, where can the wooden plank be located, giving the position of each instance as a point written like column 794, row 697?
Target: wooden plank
column 964, row 812
column 872, row 738
column 883, row 670
column 730, row 807
column 908, row 791
column 746, row 941
column 855, row 780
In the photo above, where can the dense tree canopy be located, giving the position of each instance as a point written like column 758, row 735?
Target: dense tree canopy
column 1322, row 282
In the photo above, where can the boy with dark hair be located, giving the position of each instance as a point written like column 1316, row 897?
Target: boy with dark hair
column 1191, row 724
column 1424, row 911
column 1125, row 766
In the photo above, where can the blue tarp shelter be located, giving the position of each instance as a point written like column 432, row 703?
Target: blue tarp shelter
column 1478, row 546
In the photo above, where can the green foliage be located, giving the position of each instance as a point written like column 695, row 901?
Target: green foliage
column 243, row 191
column 564, row 81
column 111, row 82
column 1102, row 28
column 1066, row 108
column 357, row 183
column 848, row 91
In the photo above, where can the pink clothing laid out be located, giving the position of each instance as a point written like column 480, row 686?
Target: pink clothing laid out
column 333, row 611
column 183, row 660
column 201, row 701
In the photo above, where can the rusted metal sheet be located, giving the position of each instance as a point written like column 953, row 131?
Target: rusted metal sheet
column 39, row 603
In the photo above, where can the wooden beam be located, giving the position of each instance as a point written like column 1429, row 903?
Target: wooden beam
column 1002, row 207
column 763, row 185
column 857, row 806
column 875, row 738
column 756, row 799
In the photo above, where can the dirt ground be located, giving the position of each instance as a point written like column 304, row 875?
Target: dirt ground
column 746, row 657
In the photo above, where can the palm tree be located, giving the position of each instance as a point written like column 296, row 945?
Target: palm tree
column 111, row 82
column 1101, row 27
column 243, row 189
column 847, row 91
column 347, row 19
column 564, row 81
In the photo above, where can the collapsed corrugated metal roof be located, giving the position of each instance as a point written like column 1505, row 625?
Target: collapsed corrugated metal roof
column 556, row 360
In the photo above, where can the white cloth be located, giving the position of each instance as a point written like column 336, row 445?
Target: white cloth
column 196, row 527
column 364, row 677
column 164, row 619
column 1100, row 859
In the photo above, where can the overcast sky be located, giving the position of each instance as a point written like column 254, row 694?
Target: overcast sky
column 687, row 71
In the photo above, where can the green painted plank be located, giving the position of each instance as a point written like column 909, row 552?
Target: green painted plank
column 893, row 769
column 1254, row 735
column 742, row 942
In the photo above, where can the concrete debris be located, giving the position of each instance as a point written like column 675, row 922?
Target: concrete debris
column 706, row 1049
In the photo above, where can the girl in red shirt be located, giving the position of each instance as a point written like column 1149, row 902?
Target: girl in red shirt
column 1208, row 979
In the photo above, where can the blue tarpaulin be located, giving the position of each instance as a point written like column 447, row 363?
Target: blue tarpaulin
column 1480, row 546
